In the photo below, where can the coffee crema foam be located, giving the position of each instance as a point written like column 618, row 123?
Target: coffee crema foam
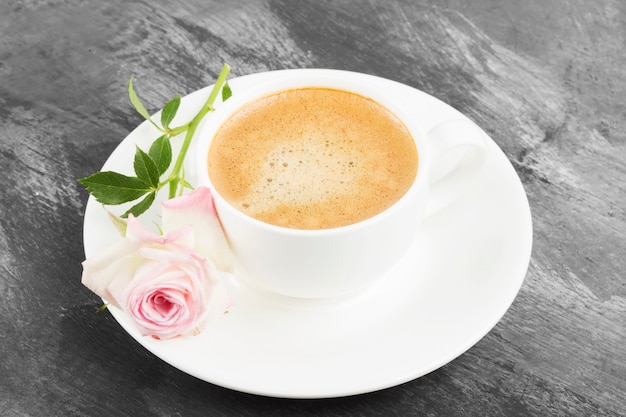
column 312, row 158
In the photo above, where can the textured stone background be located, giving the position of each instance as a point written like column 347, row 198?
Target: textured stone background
column 545, row 79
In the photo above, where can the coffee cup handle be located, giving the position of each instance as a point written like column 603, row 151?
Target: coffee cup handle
column 458, row 150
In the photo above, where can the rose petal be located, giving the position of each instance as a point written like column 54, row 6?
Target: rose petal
column 117, row 264
column 183, row 235
column 185, row 282
column 196, row 208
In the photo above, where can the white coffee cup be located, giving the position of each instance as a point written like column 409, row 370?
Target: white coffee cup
column 348, row 259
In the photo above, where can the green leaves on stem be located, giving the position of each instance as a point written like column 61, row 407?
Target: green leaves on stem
column 169, row 111
column 150, row 168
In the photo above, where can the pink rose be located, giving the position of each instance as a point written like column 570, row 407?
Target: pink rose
column 167, row 283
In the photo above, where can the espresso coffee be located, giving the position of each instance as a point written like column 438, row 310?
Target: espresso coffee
column 312, row 158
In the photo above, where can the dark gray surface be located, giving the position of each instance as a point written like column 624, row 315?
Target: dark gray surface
column 545, row 79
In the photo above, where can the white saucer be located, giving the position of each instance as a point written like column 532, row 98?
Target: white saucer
column 455, row 283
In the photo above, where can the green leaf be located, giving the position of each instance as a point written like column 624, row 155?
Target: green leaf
column 102, row 308
column 140, row 207
column 186, row 184
column 169, row 112
column 120, row 224
column 113, row 188
column 137, row 104
column 145, row 168
column 226, row 92
column 161, row 153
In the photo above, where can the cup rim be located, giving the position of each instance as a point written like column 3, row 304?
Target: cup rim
column 311, row 78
